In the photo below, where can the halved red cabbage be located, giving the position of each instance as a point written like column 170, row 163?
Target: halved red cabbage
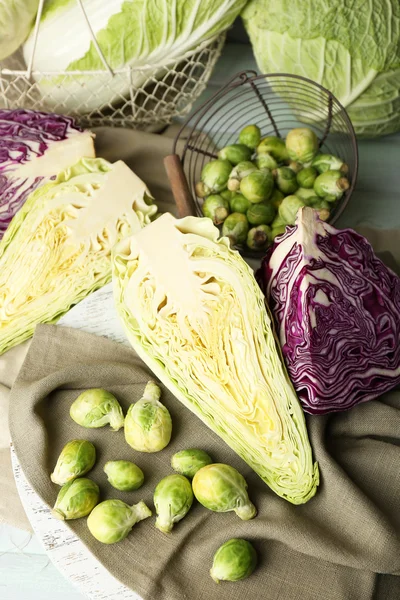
column 337, row 310
column 34, row 147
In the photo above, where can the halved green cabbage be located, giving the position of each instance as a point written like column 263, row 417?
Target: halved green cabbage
column 57, row 249
column 194, row 313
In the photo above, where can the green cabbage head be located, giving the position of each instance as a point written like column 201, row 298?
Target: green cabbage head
column 194, row 313
column 130, row 33
column 351, row 47
column 16, row 20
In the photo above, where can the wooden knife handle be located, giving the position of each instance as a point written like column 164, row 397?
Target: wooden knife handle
column 180, row 189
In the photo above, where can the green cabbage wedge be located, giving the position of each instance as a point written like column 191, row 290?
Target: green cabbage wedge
column 194, row 313
column 57, row 248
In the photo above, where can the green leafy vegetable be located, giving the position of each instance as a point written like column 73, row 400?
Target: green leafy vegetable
column 124, row 475
column 57, row 248
column 351, row 47
column 76, row 459
column 188, row 462
column 16, row 19
column 234, row 560
column 148, row 425
column 130, row 33
column 96, row 408
column 222, row 488
column 195, row 314
column 76, row 499
column 112, row 520
column 173, row 498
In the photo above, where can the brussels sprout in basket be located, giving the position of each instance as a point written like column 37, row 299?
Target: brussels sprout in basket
column 257, row 177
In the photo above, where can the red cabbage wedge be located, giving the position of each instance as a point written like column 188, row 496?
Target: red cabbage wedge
column 194, row 313
column 337, row 308
column 34, row 147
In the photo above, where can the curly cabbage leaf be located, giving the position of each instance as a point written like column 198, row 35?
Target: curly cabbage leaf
column 350, row 47
column 34, row 147
column 337, row 308
column 16, row 20
column 57, row 248
column 130, row 33
column 194, row 313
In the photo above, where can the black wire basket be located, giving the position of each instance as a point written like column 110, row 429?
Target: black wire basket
column 276, row 103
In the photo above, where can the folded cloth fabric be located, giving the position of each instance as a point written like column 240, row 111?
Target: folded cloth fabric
column 331, row 548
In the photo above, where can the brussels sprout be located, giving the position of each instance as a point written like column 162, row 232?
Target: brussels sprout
column 320, row 203
column 216, row 208
column 331, row 185
column 328, row 162
column 202, row 190
column 215, row 175
column 173, row 498
column 148, row 425
column 188, row 462
column 285, row 180
column 295, row 166
column 257, row 186
column 239, row 204
column 259, row 237
column 234, row 560
column 289, row 207
column 278, row 222
column 306, row 195
column 266, row 161
column 241, row 170
column 236, row 228
column 250, row 136
column 323, row 213
column 233, row 184
column 235, row 153
column 277, row 231
column 76, row 459
column 276, row 198
column 261, row 214
column 227, row 195
column 306, row 177
column 222, row 488
column 97, row 408
column 124, row 475
column 76, row 499
column 275, row 147
column 112, row 520
column 302, row 145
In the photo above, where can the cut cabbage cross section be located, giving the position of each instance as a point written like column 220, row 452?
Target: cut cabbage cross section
column 34, row 147
column 57, row 248
column 337, row 307
column 195, row 314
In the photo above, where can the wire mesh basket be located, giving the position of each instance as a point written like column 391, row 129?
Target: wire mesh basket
column 148, row 97
column 276, row 103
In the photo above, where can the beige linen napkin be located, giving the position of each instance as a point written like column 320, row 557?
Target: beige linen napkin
column 330, row 548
